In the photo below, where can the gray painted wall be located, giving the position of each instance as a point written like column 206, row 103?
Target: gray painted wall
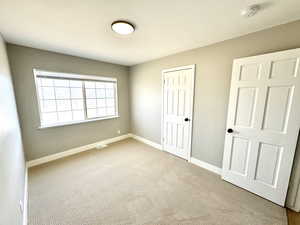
column 213, row 74
column 12, row 168
column 43, row 142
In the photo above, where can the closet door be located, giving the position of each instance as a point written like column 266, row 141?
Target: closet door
column 178, row 92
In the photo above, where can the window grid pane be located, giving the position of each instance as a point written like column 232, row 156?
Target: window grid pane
column 67, row 100
column 100, row 96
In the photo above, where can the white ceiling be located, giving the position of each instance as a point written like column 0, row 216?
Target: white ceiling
column 164, row 27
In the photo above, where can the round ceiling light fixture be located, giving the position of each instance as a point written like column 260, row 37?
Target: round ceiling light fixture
column 250, row 10
column 122, row 27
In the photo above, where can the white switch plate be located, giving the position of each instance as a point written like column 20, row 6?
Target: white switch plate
column 100, row 146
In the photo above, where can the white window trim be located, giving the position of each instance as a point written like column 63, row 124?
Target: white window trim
column 37, row 72
column 76, row 122
column 54, row 74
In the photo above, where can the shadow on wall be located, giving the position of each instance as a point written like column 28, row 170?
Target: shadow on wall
column 293, row 199
column 12, row 163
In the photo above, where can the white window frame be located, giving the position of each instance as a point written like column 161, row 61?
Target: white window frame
column 83, row 77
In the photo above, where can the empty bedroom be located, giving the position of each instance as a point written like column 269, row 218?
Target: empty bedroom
column 135, row 112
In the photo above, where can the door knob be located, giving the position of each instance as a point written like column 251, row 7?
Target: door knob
column 230, row 131
column 186, row 119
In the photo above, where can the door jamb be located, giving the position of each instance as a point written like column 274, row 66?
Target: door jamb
column 193, row 67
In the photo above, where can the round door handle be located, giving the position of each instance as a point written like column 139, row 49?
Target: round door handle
column 186, row 119
column 230, row 131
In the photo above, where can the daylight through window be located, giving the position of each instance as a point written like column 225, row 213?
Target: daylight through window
column 69, row 98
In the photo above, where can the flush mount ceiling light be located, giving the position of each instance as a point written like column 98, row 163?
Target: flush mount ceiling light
column 122, row 27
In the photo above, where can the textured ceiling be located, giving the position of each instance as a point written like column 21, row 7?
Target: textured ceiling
column 164, row 27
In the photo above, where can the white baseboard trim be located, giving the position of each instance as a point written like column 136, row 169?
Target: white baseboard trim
column 25, row 201
column 195, row 161
column 206, row 166
column 73, row 151
column 146, row 141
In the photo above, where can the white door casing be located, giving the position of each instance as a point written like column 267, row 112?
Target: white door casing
column 264, row 115
column 178, row 94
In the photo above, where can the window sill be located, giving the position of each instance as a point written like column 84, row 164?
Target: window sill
column 76, row 122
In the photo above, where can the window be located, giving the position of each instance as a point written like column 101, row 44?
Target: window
column 71, row 98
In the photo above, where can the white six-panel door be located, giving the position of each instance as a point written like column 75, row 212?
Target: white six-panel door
column 178, row 92
column 263, row 123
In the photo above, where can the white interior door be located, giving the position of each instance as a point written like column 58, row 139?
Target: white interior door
column 263, row 123
column 178, row 92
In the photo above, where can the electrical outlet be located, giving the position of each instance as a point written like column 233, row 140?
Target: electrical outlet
column 21, row 206
column 119, row 131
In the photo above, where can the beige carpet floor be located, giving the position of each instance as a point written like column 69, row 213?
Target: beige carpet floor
column 132, row 183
